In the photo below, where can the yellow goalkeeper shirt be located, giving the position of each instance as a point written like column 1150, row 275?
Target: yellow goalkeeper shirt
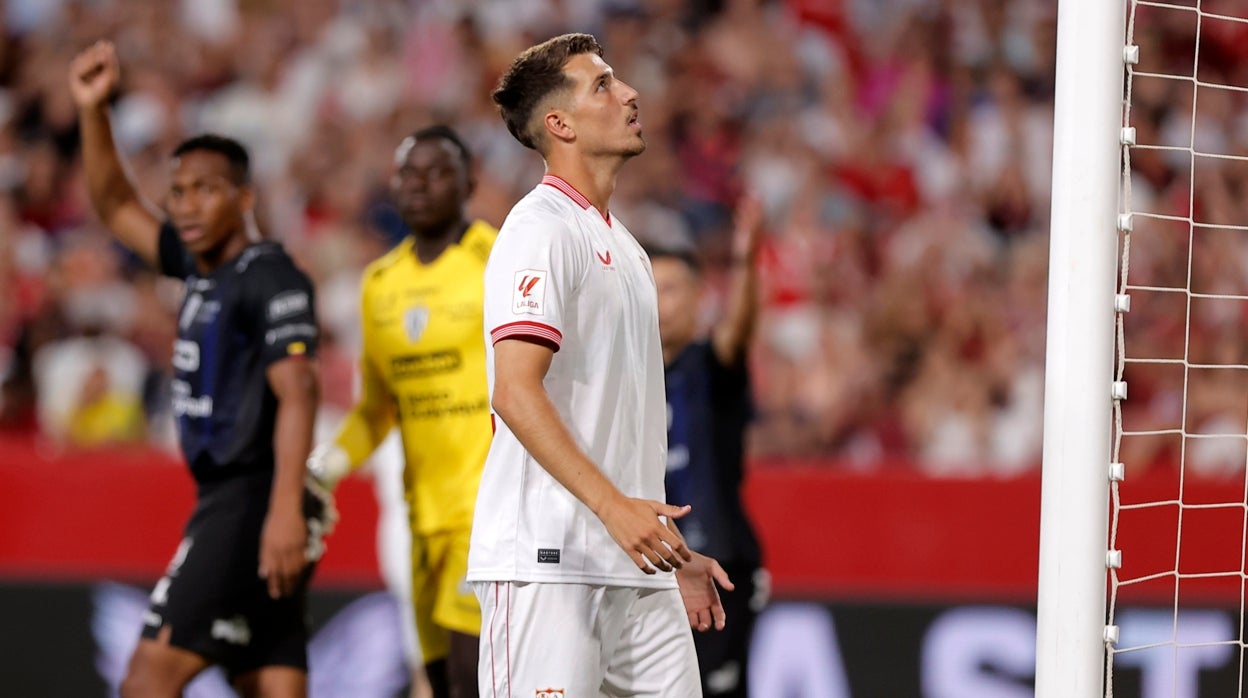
column 423, row 365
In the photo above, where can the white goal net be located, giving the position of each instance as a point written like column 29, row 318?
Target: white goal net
column 1178, row 534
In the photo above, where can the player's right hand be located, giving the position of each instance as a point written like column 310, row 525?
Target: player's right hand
column 635, row 526
column 283, row 550
column 94, row 75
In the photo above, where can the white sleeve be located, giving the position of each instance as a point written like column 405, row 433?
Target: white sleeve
column 534, row 271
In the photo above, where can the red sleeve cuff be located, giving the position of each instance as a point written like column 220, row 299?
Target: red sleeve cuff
column 528, row 330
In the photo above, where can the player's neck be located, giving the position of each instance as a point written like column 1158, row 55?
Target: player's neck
column 232, row 247
column 594, row 178
column 430, row 244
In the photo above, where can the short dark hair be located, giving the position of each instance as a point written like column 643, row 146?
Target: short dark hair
column 535, row 75
column 681, row 252
column 448, row 134
column 230, row 149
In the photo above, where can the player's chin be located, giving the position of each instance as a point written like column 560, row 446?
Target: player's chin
column 636, row 147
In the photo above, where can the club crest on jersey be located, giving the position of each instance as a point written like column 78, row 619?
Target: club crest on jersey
column 530, row 292
column 415, row 320
column 548, row 693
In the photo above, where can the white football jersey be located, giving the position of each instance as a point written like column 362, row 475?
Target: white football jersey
column 562, row 274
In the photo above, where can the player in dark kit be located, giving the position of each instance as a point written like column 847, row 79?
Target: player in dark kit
column 245, row 395
column 708, row 407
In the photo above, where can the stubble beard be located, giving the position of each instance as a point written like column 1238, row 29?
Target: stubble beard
column 636, row 148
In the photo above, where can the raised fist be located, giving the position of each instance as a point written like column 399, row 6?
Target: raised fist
column 94, row 74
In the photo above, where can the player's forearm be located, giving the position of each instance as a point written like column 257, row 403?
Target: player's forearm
column 362, row 431
column 532, row 417
column 114, row 197
column 292, row 436
column 732, row 335
column 107, row 181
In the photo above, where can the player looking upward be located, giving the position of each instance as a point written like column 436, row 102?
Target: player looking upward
column 573, row 547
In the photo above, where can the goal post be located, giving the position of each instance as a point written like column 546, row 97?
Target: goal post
column 1079, row 358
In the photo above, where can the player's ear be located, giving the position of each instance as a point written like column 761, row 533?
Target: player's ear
column 246, row 198
column 558, row 126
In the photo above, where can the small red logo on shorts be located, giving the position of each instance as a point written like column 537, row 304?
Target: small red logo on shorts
column 548, row 693
column 605, row 260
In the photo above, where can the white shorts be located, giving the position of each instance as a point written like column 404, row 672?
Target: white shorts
column 584, row 641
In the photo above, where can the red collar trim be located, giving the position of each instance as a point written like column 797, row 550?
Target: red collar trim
column 562, row 185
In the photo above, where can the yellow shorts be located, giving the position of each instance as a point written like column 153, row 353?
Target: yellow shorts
column 442, row 598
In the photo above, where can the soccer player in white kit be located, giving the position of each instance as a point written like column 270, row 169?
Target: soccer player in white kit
column 575, row 559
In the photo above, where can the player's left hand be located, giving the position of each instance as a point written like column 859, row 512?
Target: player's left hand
column 283, row 550
column 697, row 589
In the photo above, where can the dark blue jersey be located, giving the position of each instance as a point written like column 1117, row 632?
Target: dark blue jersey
column 708, row 408
column 234, row 323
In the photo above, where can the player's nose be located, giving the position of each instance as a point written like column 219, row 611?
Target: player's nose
column 627, row 94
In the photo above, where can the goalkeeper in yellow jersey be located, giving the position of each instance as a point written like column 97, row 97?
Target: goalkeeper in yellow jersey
column 423, row 370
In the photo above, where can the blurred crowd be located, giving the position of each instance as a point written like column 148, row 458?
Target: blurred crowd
column 1189, row 194
column 902, row 150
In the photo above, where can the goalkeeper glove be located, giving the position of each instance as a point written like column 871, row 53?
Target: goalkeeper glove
column 320, row 515
column 329, row 463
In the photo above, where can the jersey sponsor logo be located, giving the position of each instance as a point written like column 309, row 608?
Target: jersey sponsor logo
column 440, row 406
column 185, row 354
column 530, row 292
column 606, row 261
column 415, row 320
column 548, row 556
column 424, row 365
column 298, row 329
column 186, row 404
column 232, row 630
column 549, row 693
column 288, row 303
